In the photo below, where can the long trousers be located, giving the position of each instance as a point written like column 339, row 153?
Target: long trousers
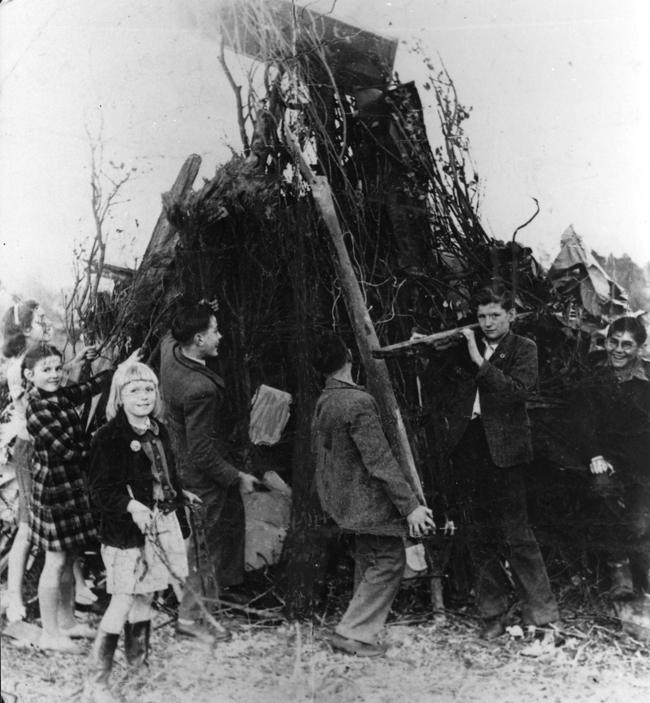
column 496, row 527
column 379, row 567
column 216, row 551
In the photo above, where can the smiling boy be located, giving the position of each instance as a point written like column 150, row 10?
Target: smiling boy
column 490, row 432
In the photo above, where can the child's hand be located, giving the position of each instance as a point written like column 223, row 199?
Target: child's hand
column 133, row 358
column 191, row 498
column 474, row 354
column 87, row 353
column 141, row 515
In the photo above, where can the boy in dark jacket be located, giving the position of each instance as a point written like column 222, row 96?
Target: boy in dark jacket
column 490, row 436
column 362, row 488
column 194, row 398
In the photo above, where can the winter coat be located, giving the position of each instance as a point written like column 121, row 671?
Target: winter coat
column 117, row 463
column 504, row 383
column 194, row 412
column 60, row 509
column 358, row 479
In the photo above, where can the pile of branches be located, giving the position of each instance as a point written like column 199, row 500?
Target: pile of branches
column 251, row 239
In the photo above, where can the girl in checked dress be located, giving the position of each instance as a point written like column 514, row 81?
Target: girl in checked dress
column 136, row 492
column 60, row 520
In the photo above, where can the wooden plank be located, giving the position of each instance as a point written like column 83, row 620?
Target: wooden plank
column 379, row 382
column 160, row 250
column 356, row 56
column 413, row 346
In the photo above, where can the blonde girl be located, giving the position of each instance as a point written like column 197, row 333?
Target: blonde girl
column 137, row 495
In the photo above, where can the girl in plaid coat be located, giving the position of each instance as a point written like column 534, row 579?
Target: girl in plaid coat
column 61, row 522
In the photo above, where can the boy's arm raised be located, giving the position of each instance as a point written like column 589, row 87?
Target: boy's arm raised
column 520, row 380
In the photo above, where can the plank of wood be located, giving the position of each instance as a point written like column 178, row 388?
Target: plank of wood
column 413, row 346
column 379, row 382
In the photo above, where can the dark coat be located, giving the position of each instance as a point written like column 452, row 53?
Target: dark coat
column 612, row 419
column 114, row 465
column 194, row 413
column 504, row 384
column 358, row 479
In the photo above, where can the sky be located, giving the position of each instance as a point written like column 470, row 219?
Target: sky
column 560, row 92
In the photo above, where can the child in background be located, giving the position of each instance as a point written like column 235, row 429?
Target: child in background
column 60, row 520
column 136, row 491
column 23, row 326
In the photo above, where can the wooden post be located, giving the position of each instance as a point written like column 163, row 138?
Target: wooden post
column 379, row 382
column 163, row 237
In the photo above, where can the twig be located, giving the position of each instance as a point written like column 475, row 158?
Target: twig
column 528, row 221
column 261, row 612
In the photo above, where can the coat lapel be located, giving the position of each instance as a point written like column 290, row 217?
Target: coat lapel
column 502, row 350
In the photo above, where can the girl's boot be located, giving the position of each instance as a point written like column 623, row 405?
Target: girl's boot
column 136, row 642
column 100, row 665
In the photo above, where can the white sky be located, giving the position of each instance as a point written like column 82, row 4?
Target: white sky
column 560, row 91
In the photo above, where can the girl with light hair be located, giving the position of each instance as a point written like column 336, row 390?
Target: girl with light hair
column 137, row 495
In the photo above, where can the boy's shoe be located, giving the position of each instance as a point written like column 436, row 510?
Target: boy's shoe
column 355, row 647
column 492, row 628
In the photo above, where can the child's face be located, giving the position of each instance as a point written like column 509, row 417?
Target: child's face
column 40, row 327
column 138, row 398
column 494, row 321
column 47, row 373
column 622, row 350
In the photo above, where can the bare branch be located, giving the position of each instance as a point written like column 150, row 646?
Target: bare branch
column 528, row 221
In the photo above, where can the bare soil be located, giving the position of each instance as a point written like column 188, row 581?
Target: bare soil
column 437, row 663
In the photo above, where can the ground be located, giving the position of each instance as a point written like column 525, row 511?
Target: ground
column 289, row 662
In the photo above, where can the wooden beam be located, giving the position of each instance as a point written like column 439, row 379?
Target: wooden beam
column 413, row 346
column 379, row 382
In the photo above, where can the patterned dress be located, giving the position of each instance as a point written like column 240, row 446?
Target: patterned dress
column 60, row 509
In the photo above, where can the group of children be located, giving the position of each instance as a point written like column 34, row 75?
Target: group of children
column 120, row 486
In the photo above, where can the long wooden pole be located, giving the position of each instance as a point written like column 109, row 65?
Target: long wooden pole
column 413, row 346
column 379, row 382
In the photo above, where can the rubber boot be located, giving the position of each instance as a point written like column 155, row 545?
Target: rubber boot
column 100, row 665
column 621, row 586
column 136, row 642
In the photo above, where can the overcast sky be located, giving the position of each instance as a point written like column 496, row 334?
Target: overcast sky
column 560, row 91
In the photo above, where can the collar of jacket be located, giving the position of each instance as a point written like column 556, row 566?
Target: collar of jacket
column 503, row 344
column 123, row 426
column 336, row 384
column 637, row 370
column 196, row 366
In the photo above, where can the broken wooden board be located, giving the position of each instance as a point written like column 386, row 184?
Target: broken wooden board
column 356, row 56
